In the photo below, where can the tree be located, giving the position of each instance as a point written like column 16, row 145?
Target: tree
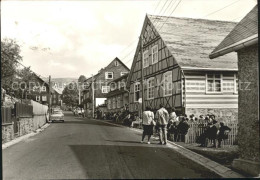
column 82, row 78
column 26, row 78
column 10, row 57
column 70, row 95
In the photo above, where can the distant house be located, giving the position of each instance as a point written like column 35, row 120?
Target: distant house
column 113, row 70
column 243, row 39
column 40, row 92
column 118, row 97
column 177, row 70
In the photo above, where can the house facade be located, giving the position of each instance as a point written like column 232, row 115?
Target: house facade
column 40, row 92
column 243, row 39
column 118, row 96
column 178, row 72
column 100, row 83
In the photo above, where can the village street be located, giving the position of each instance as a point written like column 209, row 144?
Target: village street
column 83, row 148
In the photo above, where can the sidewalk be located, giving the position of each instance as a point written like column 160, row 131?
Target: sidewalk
column 189, row 152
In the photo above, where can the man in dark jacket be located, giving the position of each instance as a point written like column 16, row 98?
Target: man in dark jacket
column 222, row 133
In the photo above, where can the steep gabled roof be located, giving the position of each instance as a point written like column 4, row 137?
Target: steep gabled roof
column 190, row 41
column 244, row 32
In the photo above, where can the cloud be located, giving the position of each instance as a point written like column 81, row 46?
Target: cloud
column 70, row 38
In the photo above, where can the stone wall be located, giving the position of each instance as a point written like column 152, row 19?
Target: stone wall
column 7, row 132
column 225, row 115
column 248, row 134
column 25, row 126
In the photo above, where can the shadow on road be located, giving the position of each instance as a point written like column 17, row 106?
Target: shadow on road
column 119, row 161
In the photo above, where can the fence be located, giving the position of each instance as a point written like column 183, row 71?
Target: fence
column 6, row 115
column 23, row 110
column 39, row 109
column 196, row 130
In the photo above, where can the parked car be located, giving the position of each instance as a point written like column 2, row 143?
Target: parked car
column 57, row 115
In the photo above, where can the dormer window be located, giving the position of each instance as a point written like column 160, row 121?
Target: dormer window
column 109, row 75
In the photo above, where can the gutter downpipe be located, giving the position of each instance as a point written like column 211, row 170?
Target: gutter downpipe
column 235, row 48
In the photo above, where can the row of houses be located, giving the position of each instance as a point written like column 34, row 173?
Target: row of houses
column 39, row 92
column 173, row 56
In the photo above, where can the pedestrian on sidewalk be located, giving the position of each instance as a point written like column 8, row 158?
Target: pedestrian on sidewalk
column 162, row 117
column 148, row 123
column 222, row 133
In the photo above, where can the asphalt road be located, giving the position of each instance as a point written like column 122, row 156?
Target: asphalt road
column 83, row 148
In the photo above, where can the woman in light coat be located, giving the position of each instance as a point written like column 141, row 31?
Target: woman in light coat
column 148, row 119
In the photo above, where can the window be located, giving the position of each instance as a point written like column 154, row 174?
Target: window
column 116, row 63
column 112, row 86
column 214, row 83
column 137, row 91
column 38, row 98
column 43, row 88
column 154, row 54
column 105, row 89
column 109, row 75
column 145, row 59
column 123, row 73
column 150, row 88
column 44, row 98
column 167, row 83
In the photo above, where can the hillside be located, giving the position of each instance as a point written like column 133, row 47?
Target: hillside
column 61, row 82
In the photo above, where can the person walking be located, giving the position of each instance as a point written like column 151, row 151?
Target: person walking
column 148, row 119
column 162, row 117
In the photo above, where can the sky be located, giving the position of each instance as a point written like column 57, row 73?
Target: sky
column 73, row 38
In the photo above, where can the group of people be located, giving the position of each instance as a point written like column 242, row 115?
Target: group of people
column 170, row 126
column 163, row 122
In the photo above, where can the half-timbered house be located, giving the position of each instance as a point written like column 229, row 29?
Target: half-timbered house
column 177, row 71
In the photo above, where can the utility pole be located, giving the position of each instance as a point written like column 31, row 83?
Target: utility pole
column 142, row 73
column 93, row 97
column 49, row 97
column 79, row 93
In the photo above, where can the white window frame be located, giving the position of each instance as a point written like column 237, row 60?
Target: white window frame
column 123, row 73
column 150, row 88
column 107, row 73
column 43, row 88
column 38, row 98
column 153, row 53
column 164, row 84
column 44, row 98
column 105, row 89
column 145, row 59
column 136, row 85
column 221, row 83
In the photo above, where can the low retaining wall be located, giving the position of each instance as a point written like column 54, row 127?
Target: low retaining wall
column 28, row 125
column 25, row 125
column 7, row 132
